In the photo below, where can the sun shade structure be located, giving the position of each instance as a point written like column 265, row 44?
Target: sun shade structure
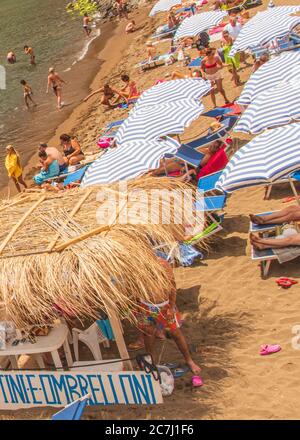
column 150, row 123
column 277, row 106
column 194, row 25
column 163, row 5
column 285, row 66
column 128, row 161
column 57, row 249
column 268, row 157
column 262, row 28
column 171, row 91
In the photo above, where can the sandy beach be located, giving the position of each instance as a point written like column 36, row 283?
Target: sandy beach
column 229, row 311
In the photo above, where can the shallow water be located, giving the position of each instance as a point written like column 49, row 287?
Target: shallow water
column 59, row 41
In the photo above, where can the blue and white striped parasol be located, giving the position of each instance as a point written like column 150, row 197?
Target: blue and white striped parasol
column 262, row 28
column 286, row 66
column 163, row 5
column 150, row 123
column 277, row 106
column 170, row 91
column 268, row 157
column 128, row 161
column 194, row 25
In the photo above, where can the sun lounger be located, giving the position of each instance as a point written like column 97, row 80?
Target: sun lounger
column 265, row 258
column 247, row 4
column 293, row 177
column 159, row 60
column 76, row 176
column 228, row 124
column 73, row 411
column 263, row 228
column 165, row 32
column 196, row 62
column 207, row 183
column 189, row 155
column 210, row 230
column 211, row 204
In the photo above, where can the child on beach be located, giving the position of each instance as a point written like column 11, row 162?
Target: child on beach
column 129, row 90
column 13, row 167
column 164, row 316
column 27, row 90
column 11, row 57
column 29, row 51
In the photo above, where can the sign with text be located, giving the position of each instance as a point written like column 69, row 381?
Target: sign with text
column 26, row 389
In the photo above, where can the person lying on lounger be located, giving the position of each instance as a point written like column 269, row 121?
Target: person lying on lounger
column 287, row 215
column 286, row 239
column 196, row 73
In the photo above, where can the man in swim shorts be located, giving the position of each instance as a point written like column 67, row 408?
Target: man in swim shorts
column 87, row 24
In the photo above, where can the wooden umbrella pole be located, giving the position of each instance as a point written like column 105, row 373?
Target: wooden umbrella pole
column 81, row 237
column 20, row 223
column 73, row 213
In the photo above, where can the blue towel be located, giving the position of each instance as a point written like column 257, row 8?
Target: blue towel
column 188, row 254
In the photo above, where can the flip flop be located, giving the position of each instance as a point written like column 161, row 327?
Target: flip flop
column 197, row 381
column 269, row 349
column 179, row 372
column 285, row 282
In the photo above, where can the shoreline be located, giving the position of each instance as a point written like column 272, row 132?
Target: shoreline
column 111, row 42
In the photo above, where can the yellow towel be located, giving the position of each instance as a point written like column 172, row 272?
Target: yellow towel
column 13, row 166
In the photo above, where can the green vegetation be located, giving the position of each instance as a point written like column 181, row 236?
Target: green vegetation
column 82, row 6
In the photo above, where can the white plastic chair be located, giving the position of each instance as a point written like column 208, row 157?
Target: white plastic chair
column 92, row 337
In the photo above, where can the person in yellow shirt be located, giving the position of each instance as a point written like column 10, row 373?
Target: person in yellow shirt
column 13, row 166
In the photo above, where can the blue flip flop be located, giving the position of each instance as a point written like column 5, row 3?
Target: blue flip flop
column 179, row 372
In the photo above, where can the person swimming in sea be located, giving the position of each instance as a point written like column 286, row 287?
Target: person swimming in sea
column 55, row 81
column 27, row 90
column 29, row 51
column 11, row 57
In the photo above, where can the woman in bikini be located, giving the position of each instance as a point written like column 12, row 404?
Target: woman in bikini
column 210, row 66
column 27, row 92
column 191, row 74
column 71, row 150
column 55, row 81
column 129, row 90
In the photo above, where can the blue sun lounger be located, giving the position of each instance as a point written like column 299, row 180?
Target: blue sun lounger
column 189, row 155
column 210, row 204
column 73, row 177
column 164, row 32
column 263, row 228
column 265, row 258
column 228, row 124
column 207, row 183
column 73, row 411
column 196, row 62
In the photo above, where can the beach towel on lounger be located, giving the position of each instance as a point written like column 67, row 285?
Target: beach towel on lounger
column 216, row 163
column 53, row 171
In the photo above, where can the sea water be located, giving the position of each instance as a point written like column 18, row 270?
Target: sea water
column 59, row 41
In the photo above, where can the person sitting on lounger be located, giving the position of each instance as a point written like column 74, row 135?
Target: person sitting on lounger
column 49, row 169
column 72, row 150
column 288, row 238
column 287, row 215
column 108, row 94
column 260, row 61
column 172, row 20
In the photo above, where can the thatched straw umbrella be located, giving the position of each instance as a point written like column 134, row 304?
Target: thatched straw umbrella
column 54, row 251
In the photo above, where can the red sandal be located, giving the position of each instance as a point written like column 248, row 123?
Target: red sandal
column 285, row 282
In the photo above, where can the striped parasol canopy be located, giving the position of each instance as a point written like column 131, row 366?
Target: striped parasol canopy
column 262, row 28
column 194, row 25
column 267, row 158
column 163, row 5
column 128, row 161
column 277, row 106
column 286, row 65
column 150, row 123
column 171, row 91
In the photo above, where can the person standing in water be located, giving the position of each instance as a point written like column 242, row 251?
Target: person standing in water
column 11, row 57
column 29, row 51
column 55, row 81
column 87, row 24
column 13, row 167
column 27, row 90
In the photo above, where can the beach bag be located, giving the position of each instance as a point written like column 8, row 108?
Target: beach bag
column 167, row 380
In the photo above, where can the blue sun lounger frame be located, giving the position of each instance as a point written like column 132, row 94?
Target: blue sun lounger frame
column 208, row 183
column 73, row 411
